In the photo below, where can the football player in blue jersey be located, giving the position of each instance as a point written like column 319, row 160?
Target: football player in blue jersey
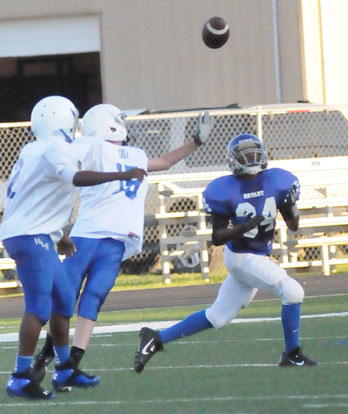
column 248, row 199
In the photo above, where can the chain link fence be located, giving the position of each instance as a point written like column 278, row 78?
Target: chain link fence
column 288, row 131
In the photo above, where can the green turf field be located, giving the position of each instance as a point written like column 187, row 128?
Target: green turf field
column 232, row 370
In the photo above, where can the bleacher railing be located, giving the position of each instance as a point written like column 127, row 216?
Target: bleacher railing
column 290, row 132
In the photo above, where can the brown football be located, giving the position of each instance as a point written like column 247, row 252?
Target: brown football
column 215, row 32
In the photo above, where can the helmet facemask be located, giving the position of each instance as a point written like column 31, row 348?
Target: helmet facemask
column 246, row 155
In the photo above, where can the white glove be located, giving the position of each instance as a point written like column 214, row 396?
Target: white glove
column 205, row 124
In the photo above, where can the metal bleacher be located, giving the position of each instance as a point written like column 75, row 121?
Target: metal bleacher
column 324, row 189
column 309, row 140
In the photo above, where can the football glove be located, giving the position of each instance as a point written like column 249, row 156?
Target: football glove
column 205, row 124
column 251, row 222
column 288, row 206
column 290, row 198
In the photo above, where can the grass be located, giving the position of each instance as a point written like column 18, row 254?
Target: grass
column 152, row 281
column 155, row 281
column 262, row 308
column 230, row 370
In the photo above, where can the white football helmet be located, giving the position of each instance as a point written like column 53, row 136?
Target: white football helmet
column 246, row 155
column 105, row 122
column 54, row 117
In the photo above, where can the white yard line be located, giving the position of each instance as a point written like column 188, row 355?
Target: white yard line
column 189, row 400
column 198, row 367
column 193, row 342
column 134, row 327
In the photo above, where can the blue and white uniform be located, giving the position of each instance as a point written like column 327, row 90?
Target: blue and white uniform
column 114, row 209
column 252, row 191
column 110, row 222
column 262, row 195
column 39, row 204
column 246, row 258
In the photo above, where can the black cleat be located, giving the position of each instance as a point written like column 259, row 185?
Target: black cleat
column 41, row 362
column 295, row 358
column 22, row 384
column 66, row 376
column 150, row 342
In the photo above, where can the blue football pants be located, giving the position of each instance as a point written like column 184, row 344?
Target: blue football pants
column 45, row 284
column 97, row 262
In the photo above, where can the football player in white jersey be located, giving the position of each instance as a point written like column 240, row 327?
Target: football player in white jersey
column 110, row 220
column 40, row 199
column 248, row 199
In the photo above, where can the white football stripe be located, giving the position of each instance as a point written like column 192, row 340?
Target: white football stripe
column 227, row 398
column 217, row 31
column 134, row 327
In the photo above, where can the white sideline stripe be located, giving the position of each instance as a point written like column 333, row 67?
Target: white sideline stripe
column 238, row 341
column 201, row 366
column 134, row 327
column 324, row 405
column 180, row 400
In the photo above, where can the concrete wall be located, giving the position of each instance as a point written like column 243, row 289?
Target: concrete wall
column 325, row 34
column 152, row 55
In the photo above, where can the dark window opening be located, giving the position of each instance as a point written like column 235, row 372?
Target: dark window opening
column 24, row 81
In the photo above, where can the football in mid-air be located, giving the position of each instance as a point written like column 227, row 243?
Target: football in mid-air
column 215, row 32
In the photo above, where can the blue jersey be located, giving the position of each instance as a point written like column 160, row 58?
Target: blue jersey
column 261, row 195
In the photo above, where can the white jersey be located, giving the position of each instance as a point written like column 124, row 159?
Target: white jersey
column 38, row 201
column 114, row 209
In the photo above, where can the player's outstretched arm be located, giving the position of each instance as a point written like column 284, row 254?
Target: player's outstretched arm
column 164, row 162
column 222, row 233
column 90, row 178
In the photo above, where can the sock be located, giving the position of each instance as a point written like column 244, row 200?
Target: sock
column 291, row 325
column 61, row 353
column 194, row 323
column 47, row 348
column 23, row 363
column 76, row 355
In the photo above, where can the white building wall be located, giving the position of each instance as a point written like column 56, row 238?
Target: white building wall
column 325, row 42
column 152, row 55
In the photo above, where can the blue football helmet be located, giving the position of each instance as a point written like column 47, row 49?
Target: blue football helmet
column 246, row 155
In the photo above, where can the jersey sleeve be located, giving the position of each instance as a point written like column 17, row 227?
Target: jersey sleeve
column 213, row 202
column 142, row 160
column 86, row 151
column 61, row 156
column 285, row 181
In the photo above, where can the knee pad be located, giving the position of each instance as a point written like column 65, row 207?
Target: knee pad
column 290, row 291
column 90, row 304
column 216, row 318
column 64, row 304
column 40, row 305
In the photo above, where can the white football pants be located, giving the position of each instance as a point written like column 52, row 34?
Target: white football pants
column 247, row 273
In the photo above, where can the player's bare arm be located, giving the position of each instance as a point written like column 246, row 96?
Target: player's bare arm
column 222, row 233
column 289, row 210
column 292, row 221
column 170, row 158
column 204, row 126
column 88, row 178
